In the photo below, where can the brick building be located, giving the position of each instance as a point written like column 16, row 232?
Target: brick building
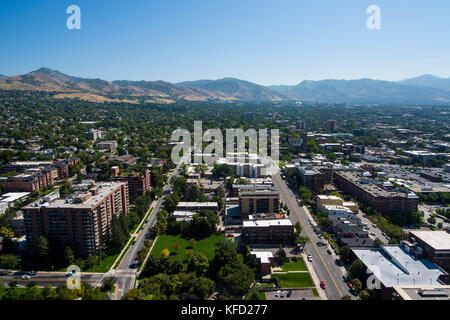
column 138, row 184
column 81, row 220
column 259, row 201
column 268, row 231
column 380, row 199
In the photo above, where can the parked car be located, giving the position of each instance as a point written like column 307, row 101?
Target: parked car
column 25, row 277
column 68, row 274
column 322, row 285
column 349, row 284
column 328, row 251
column 277, row 293
column 289, row 293
column 346, row 279
column 309, row 258
column 32, row 273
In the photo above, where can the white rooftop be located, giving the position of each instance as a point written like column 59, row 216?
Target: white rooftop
column 197, row 204
column 439, row 240
column 328, row 197
column 183, row 213
column 263, row 255
column 13, row 196
column 267, row 223
column 392, row 266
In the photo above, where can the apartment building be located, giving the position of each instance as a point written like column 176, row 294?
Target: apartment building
column 311, row 178
column 259, row 201
column 268, row 231
column 332, row 200
column 81, row 220
column 36, row 175
column 371, row 194
column 138, row 183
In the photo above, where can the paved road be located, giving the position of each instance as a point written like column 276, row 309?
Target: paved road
column 125, row 274
column 324, row 264
column 50, row 278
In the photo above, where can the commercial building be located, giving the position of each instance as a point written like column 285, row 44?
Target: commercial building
column 81, row 220
column 394, row 265
column 371, row 194
column 268, row 231
column 259, row 201
column 433, row 245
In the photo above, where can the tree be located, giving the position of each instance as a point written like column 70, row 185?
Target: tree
column 364, row 295
column 198, row 264
column 42, row 248
column 356, row 285
column 165, row 252
column 298, row 227
column 203, row 287
column 280, row 256
column 108, row 284
column 302, row 240
column 357, row 270
column 92, row 260
column 10, row 261
column 377, row 243
column 345, row 254
column 176, row 246
column 69, row 256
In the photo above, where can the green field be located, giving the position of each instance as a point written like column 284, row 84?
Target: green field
column 299, row 265
column 205, row 246
column 315, row 292
column 294, row 280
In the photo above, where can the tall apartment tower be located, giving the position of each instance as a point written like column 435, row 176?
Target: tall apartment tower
column 81, row 220
column 330, row 125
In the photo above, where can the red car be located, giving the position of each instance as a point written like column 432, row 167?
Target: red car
column 322, row 284
column 349, row 284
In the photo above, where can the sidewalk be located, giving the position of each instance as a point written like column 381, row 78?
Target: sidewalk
column 314, row 277
column 311, row 219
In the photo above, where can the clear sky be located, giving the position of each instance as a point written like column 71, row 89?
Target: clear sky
column 264, row 41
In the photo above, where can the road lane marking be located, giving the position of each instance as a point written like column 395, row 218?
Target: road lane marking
column 312, row 242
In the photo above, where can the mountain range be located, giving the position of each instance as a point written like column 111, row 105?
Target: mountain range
column 426, row 89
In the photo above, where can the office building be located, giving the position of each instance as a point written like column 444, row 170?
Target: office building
column 433, row 245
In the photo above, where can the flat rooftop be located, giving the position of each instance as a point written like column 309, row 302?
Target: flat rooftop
column 197, row 204
column 439, row 240
column 267, row 223
column 393, row 266
column 104, row 189
column 263, row 255
column 13, row 196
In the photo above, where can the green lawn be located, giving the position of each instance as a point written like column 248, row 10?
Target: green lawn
column 261, row 295
column 315, row 292
column 205, row 246
column 294, row 280
column 299, row 265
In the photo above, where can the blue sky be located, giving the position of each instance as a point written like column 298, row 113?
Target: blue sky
column 264, row 41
